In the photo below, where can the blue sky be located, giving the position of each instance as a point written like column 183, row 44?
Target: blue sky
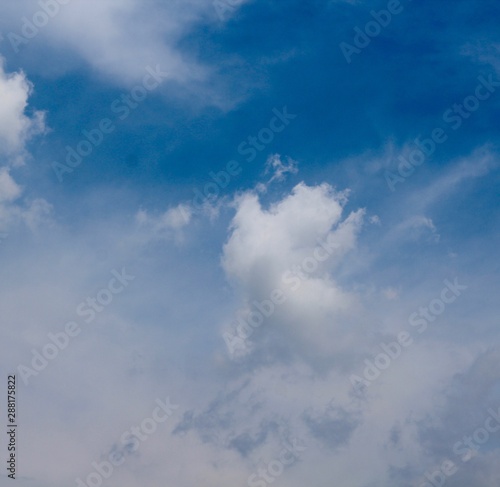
column 236, row 165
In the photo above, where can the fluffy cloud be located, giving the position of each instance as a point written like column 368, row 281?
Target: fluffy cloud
column 319, row 286
column 234, row 416
column 15, row 126
column 293, row 246
column 118, row 40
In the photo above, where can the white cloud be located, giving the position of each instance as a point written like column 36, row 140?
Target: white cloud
column 287, row 230
column 15, row 126
column 173, row 219
column 481, row 162
column 415, row 228
column 169, row 224
column 119, row 39
column 280, row 248
column 160, row 338
column 9, row 189
column 32, row 214
column 279, row 168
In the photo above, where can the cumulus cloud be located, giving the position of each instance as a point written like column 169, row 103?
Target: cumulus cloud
column 293, row 246
column 234, row 417
column 16, row 127
column 310, row 292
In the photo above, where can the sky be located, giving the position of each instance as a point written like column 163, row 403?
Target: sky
column 250, row 242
